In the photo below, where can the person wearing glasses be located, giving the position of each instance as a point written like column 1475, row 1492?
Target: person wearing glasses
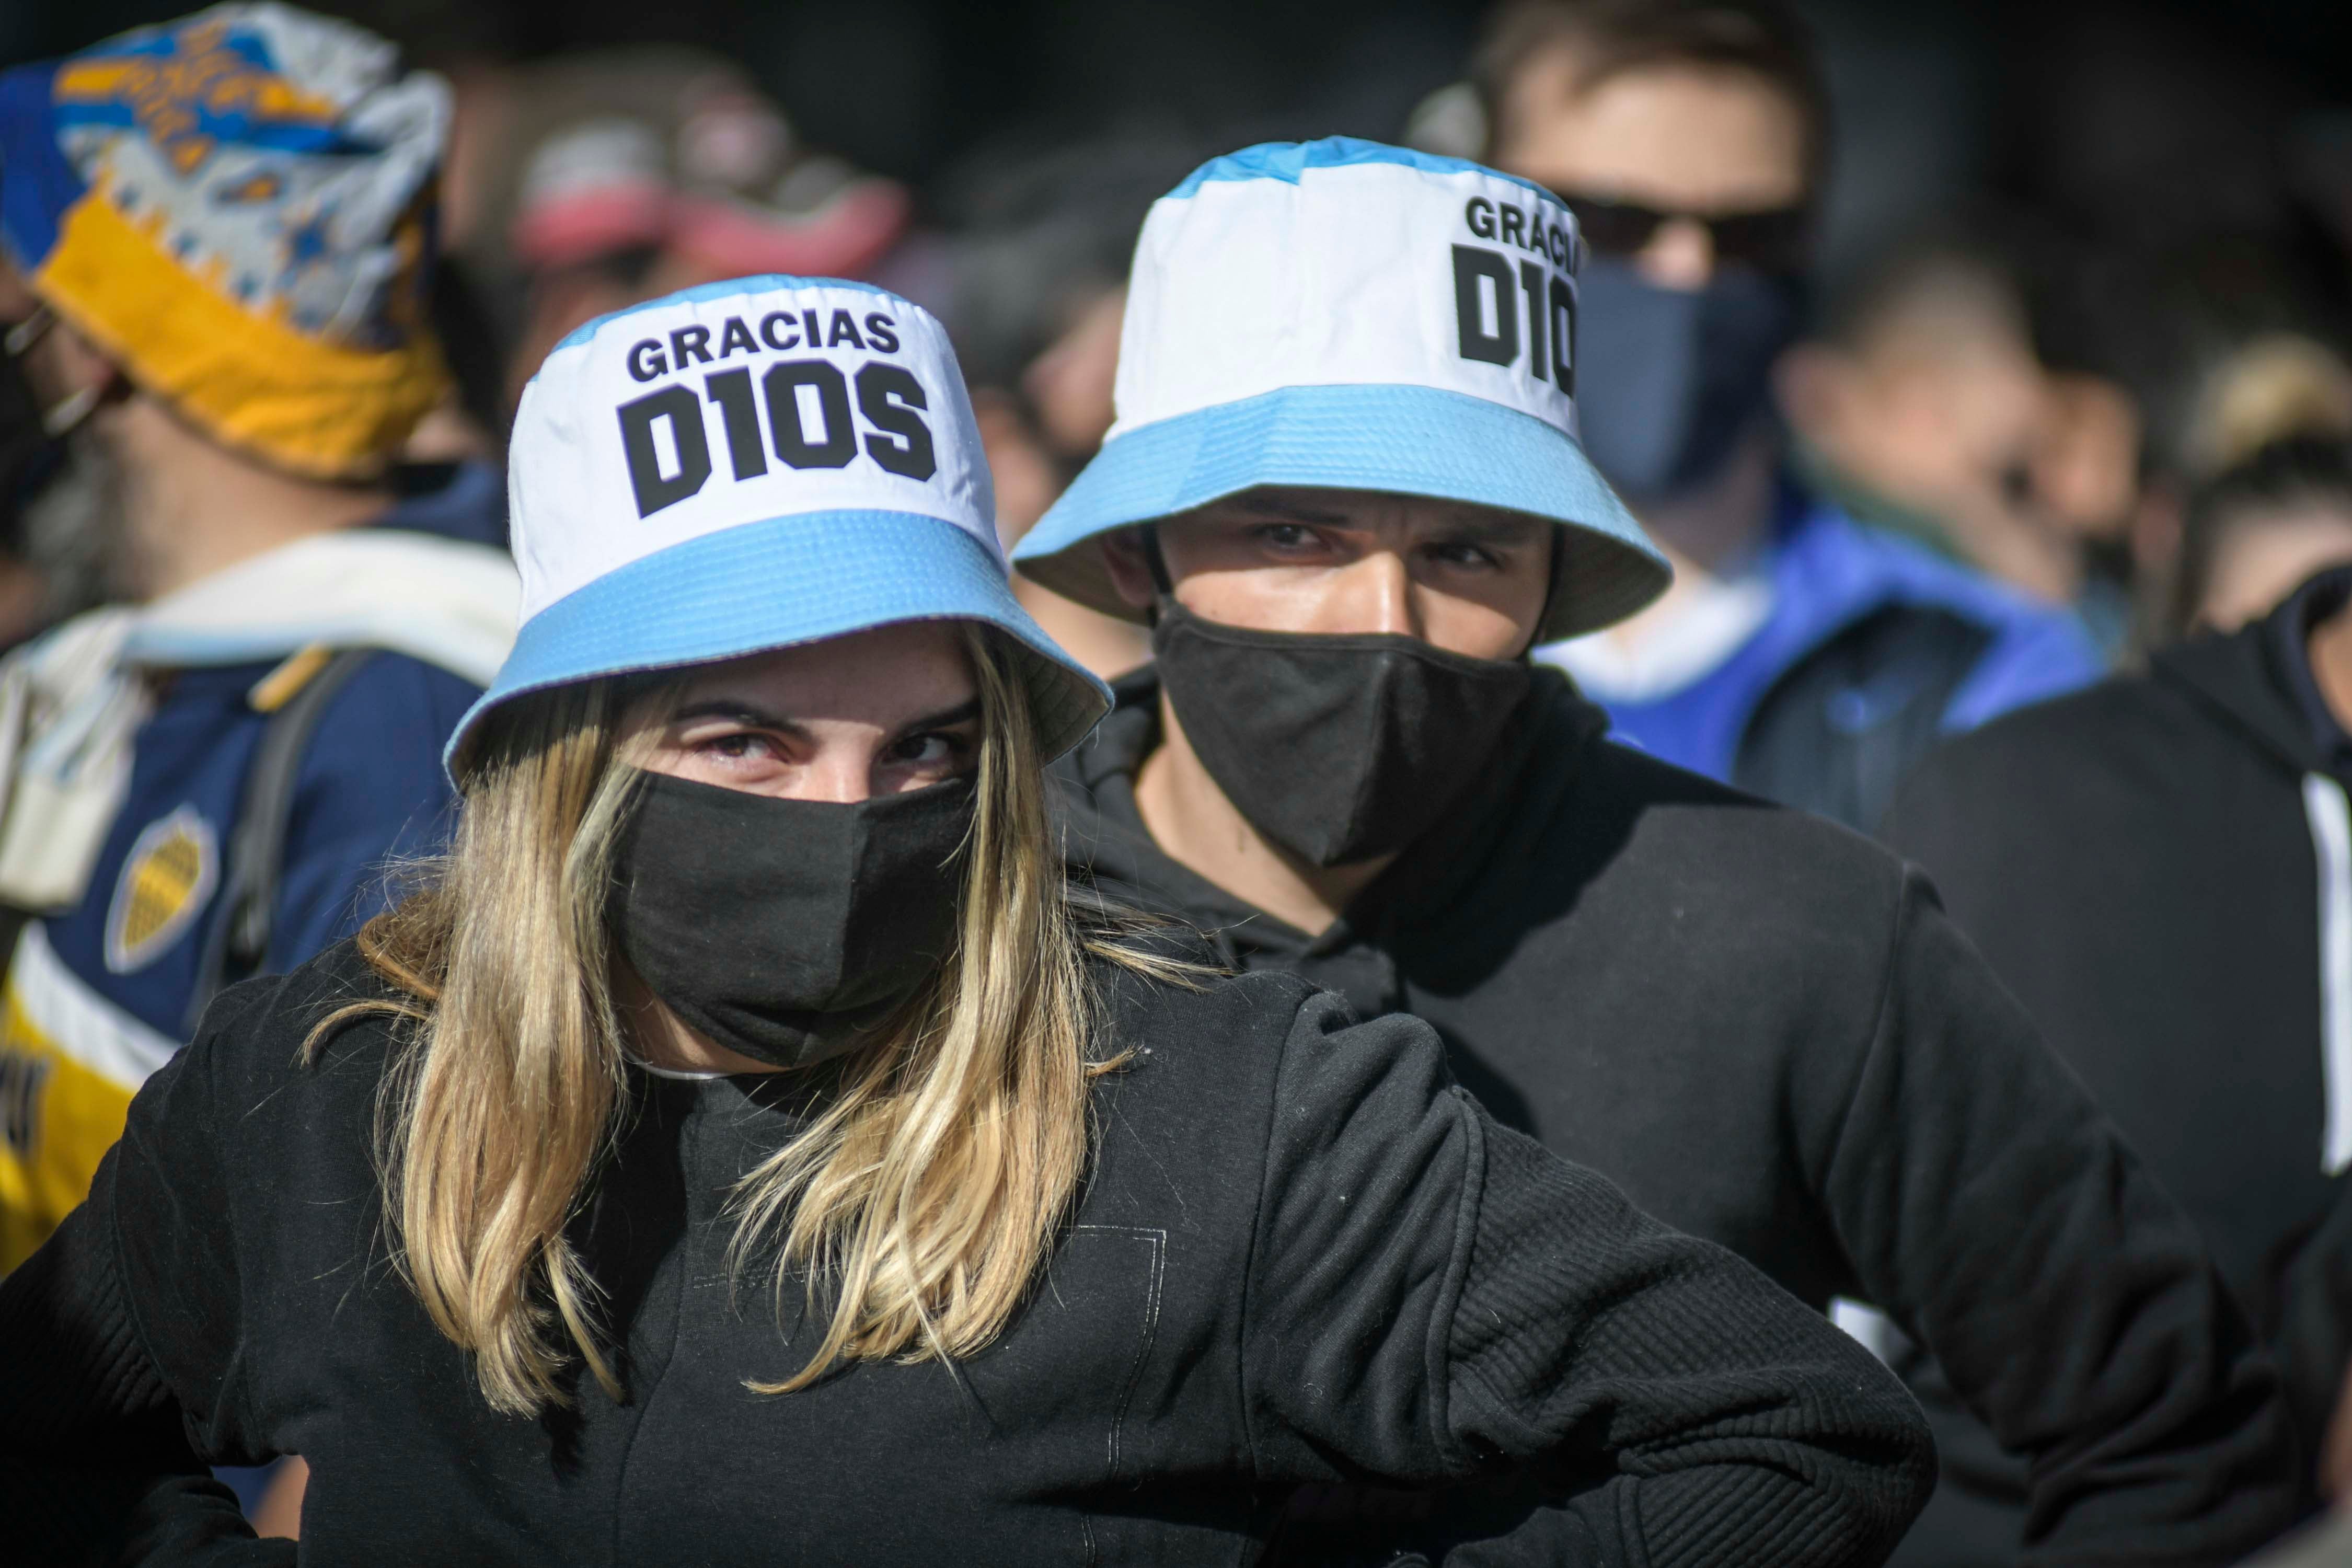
column 216, row 238
column 1345, row 493
column 742, row 1149
column 1798, row 655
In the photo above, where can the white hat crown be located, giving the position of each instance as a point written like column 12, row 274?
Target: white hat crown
column 733, row 404
column 748, row 466
column 1347, row 263
column 1340, row 314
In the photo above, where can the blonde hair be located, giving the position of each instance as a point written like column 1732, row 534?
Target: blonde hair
column 924, row 1195
column 2272, row 389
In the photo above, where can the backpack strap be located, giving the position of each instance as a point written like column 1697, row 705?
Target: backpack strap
column 256, row 860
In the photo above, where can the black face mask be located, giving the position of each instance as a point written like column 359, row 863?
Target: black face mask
column 788, row 929
column 30, row 457
column 1339, row 748
column 1670, row 379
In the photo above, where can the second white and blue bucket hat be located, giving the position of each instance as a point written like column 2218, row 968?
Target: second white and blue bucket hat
column 1342, row 314
column 748, row 466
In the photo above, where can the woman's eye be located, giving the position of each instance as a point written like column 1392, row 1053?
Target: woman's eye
column 935, row 748
column 1469, row 556
column 737, row 747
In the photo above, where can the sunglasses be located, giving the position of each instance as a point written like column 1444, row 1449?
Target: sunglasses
column 20, row 338
column 1776, row 241
column 61, row 418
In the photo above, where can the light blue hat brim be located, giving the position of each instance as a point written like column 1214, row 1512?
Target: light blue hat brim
column 788, row 580
column 1404, row 440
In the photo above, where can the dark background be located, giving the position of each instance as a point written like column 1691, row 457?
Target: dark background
column 2180, row 106
column 2177, row 174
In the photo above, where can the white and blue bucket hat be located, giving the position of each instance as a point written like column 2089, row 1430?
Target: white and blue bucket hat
column 1347, row 315
column 749, row 465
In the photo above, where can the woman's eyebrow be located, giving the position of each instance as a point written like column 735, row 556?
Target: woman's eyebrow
column 945, row 719
column 743, row 713
column 735, row 708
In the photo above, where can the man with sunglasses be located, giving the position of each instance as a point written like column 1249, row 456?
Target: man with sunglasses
column 1799, row 655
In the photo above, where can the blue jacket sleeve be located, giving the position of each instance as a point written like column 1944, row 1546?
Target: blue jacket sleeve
column 370, row 793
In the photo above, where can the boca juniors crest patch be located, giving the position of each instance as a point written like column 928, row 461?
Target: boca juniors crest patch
column 166, row 880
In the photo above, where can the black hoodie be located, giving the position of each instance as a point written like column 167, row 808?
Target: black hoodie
column 1300, row 1253
column 2152, row 866
column 1764, row 1030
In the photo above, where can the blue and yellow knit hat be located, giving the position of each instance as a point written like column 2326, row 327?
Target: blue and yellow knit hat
column 238, row 207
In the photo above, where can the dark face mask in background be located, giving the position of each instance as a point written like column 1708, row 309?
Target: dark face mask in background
column 31, row 459
column 61, row 506
column 1668, row 379
column 1338, row 748
column 788, row 929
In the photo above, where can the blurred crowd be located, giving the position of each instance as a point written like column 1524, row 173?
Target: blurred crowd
column 1936, row 433
column 2062, row 377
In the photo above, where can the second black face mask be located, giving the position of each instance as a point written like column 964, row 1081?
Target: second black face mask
column 787, row 929
column 1338, row 748
column 1670, row 379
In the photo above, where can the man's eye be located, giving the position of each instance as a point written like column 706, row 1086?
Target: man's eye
column 1286, row 535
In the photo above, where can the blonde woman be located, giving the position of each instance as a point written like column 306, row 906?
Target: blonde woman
column 741, row 1150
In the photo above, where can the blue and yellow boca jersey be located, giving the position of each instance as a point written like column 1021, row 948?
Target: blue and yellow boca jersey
column 98, row 998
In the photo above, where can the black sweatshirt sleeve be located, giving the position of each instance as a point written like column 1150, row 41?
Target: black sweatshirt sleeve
column 1435, row 1298
column 1990, row 1209
column 96, row 1465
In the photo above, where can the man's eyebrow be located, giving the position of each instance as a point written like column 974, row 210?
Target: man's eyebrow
column 1479, row 526
column 1294, row 511
column 1491, row 527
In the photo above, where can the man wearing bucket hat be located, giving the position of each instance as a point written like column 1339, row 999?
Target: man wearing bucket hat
column 1345, row 489
column 752, row 968
column 216, row 237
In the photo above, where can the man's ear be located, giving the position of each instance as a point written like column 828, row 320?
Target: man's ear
column 1129, row 568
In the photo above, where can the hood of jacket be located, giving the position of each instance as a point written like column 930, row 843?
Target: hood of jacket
column 2243, row 681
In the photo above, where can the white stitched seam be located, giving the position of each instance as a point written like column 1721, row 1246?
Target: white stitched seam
column 1158, row 1238
column 2331, row 836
